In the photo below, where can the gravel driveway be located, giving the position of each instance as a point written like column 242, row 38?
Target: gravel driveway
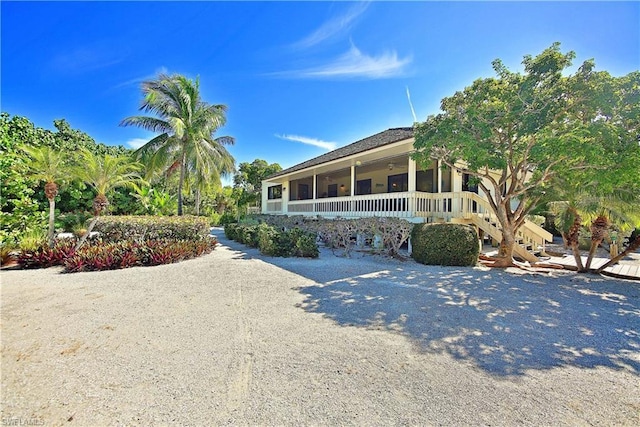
column 234, row 338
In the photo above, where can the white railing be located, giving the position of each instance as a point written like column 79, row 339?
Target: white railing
column 436, row 207
column 274, row 206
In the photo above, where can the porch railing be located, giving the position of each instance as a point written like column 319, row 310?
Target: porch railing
column 434, row 207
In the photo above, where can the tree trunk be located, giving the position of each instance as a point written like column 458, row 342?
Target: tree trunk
column 52, row 213
column 599, row 229
column 505, row 254
column 197, row 208
column 577, row 256
column 89, row 230
column 631, row 248
column 181, row 182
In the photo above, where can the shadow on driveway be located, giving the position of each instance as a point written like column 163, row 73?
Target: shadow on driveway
column 504, row 323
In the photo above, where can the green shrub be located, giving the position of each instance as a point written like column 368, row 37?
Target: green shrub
column 445, row 244
column 214, row 219
column 304, row 244
column 231, row 230
column 141, row 228
column 227, row 218
column 248, row 235
column 268, row 240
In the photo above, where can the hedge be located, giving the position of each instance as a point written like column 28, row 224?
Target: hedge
column 445, row 244
column 141, row 228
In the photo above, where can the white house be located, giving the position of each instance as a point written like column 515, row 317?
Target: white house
column 377, row 177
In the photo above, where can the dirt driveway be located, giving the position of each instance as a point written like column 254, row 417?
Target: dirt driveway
column 233, row 338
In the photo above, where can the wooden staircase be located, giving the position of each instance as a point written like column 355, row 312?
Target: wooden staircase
column 530, row 238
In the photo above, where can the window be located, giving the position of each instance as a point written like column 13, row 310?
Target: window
column 363, row 187
column 425, row 181
column 274, row 192
column 303, row 192
column 333, row 190
column 398, row 183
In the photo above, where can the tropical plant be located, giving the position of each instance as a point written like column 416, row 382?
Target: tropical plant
column 187, row 126
column 48, row 165
column 514, row 134
column 104, row 173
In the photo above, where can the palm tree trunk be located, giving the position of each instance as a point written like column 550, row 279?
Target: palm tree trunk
column 89, row 230
column 52, row 213
column 197, row 209
column 181, row 182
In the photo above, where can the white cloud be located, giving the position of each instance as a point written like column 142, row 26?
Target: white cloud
column 310, row 141
column 332, row 27
column 136, row 143
column 354, row 64
column 138, row 80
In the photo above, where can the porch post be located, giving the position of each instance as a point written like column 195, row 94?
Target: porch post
column 315, row 191
column 438, row 166
column 353, row 180
column 264, row 196
column 412, row 187
column 285, row 196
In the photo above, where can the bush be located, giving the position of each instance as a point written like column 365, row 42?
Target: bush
column 214, row 219
column 45, row 257
column 227, row 218
column 124, row 254
column 445, row 244
column 231, row 230
column 268, row 241
column 143, row 228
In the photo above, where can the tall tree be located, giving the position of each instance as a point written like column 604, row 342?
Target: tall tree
column 48, row 165
column 249, row 178
column 515, row 133
column 104, row 173
column 186, row 125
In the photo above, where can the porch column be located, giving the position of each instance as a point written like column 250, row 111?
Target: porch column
column 315, row 191
column 285, row 196
column 264, row 196
column 412, row 174
column 412, row 187
column 438, row 166
column 315, row 186
column 353, row 180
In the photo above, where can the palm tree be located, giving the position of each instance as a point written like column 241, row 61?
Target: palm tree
column 187, row 126
column 104, row 173
column 48, row 165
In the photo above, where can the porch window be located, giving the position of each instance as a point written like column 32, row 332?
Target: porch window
column 425, row 181
column 398, row 183
column 332, row 190
column 274, row 192
column 363, row 187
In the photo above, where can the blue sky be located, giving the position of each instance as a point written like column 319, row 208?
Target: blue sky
column 299, row 78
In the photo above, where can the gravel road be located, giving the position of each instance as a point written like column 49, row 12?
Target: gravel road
column 235, row 338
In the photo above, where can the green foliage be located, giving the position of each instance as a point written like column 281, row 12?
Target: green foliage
column 527, row 137
column 445, row 244
column 186, row 125
column 227, row 218
column 32, row 239
column 140, row 228
column 273, row 242
column 248, row 180
column 70, row 221
column 231, row 230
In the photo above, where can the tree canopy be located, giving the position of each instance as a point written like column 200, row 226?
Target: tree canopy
column 518, row 135
column 186, row 125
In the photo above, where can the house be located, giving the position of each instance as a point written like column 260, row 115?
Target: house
column 376, row 176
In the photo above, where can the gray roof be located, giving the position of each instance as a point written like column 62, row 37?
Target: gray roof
column 386, row 137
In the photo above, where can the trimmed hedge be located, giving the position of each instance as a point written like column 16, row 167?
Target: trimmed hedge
column 141, row 228
column 445, row 244
column 273, row 242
